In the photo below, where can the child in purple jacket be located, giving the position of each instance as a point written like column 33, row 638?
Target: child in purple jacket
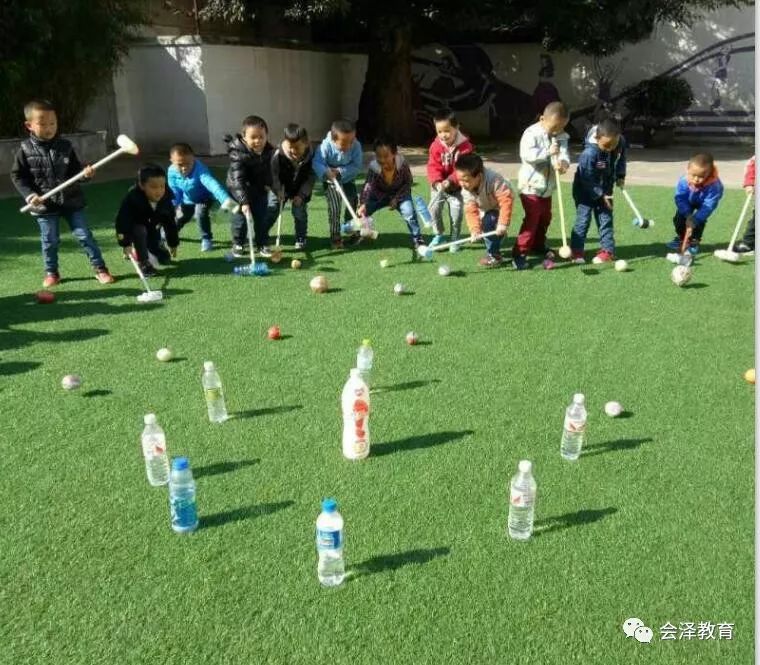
column 389, row 184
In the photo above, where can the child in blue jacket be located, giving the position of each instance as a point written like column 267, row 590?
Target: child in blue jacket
column 193, row 190
column 600, row 165
column 339, row 157
column 697, row 196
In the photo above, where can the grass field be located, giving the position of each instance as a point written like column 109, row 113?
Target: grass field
column 654, row 521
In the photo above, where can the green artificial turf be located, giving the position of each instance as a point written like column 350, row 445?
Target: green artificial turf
column 655, row 520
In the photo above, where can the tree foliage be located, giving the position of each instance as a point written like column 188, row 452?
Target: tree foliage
column 61, row 50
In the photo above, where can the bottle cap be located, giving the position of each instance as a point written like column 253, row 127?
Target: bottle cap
column 365, row 342
column 525, row 466
column 329, row 505
column 180, row 464
column 208, row 366
column 150, row 419
column 579, row 398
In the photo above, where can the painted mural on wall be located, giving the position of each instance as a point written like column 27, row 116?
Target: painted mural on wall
column 464, row 79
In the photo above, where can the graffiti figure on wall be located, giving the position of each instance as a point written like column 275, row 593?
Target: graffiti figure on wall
column 720, row 77
column 545, row 91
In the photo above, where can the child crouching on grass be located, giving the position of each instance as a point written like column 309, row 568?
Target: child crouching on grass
column 488, row 200
column 389, row 185
column 145, row 211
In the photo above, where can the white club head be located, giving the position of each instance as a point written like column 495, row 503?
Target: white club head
column 425, row 252
column 565, row 252
column 150, row 296
column 725, row 255
column 127, row 144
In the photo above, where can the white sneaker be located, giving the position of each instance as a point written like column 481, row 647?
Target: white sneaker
column 265, row 252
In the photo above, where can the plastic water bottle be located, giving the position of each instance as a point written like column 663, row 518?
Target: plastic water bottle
column 212, row 388
column 574, row 432
column 355, row 407
column 331, row 569
column 423, row 212
column 522, row 502
column 182, row 496
column 364, row 357
column 154, row 451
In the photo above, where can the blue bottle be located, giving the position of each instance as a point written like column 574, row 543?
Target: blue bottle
column 182, row 497
column 422, row 210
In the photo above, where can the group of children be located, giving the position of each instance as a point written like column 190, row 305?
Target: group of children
column 262, row 178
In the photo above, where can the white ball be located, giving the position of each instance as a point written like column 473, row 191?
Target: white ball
column 164, row 355
column 444, row 271
column 681, row 275
column 398, row 289
column 384, row 263
column 613, row 409
column 621, row 265
column 71, row 382
column 565, row 252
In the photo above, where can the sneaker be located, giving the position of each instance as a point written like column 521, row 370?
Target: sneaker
column 491, row 260
column 207, row 245
column 603, row 256
column 674, row 244
column 336, row 243
column 549, row 254
column 577, row 257
column 519, row 262
column 238, row 251
column 352, row 239
column 744, row 248
column 693, row 248
column 148, row 270
column 300, row 245
column 438, row 239
column 103, row 276
column 265, row 252
column 51, row 279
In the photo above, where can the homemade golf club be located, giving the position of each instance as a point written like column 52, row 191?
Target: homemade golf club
column 565, row 252
column 426, row 252
column 126, row 146
column 256, row 269
column 149, row 295
column 642, row 223
column 729, row 254
column 277, row 252
column 682, row 258
column 365, row 227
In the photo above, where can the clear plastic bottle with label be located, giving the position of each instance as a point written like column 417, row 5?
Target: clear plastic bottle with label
column 574, row 430
column 522, row 502
column 355, row 408
column 364, row 360
column 153, row 442
column 212, row 389
column 331, row 568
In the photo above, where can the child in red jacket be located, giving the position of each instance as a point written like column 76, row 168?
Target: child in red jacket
column 446, row 147
column 747, row 245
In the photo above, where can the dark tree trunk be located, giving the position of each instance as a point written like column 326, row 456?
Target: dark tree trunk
column 386, row 103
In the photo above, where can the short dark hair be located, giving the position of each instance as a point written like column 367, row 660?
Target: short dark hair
column 295, row 132
column 37, row 105
column 342, row 126
column 148, row 171
column 385, row 141
column 702, row 159
column 255, row 121
column 608, row 127
column 446, row 115
column 556, row 110
column 181, row 149
column 470, row 162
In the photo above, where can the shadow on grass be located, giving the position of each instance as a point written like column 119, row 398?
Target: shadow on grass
column 101, row 392
column 388, row 562
column 408, row 385
column 9, row 368
column 695, row 285
column 223, row 467
column 417, row 442
column 240, row 514
column 613, row 446
column 265, row 411
column 570, row 520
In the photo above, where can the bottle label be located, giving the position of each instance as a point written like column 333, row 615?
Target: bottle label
column 213, row 394
column 361, row 410
column 329, row 540
column 520, row 499
column 184, row 512
column 575, row 425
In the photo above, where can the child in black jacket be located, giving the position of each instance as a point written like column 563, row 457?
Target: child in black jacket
column 249, row 181
column 293, row 177
column 146, row 209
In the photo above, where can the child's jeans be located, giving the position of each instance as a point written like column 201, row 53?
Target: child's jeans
column 679, row 223
column 201, row 212
column 405, row 209
column 51, row 238
column 489, row 223
column 538, row 216
column 603, row 216
column 334, row 201
column 148, row 239
column 264, row 209
column 454, row 201
column 749, row 235
column 300, row 219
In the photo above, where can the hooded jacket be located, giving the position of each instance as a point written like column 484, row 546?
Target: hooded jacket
column 699, row 202
column 348, row 163
column 377, row 189
column 136, row 209
column 198, row 186
column 293, row 178
column 596, row 174
column 749, row 173
column 441, row 158
column 249, row 173
column 536, row 175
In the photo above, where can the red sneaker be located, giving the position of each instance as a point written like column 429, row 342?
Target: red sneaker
column 51, row 279
column 603, row 256
column 103, row 276
column 578, row 257
column 491, row 260
column 336, row 243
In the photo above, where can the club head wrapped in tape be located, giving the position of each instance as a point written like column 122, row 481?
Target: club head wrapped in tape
column 127, row 144
column 150, row 296
column 725, row 255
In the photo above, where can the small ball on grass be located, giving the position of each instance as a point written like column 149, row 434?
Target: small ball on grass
column 681, row 275
column 621, row 265
column 384, row 263
column 412, row 338
column 45, row 297
column 749, row 376
column 444, row 270
column 274, row 333
column 613, row 409
column 398, row 289
column 565, row 252
column 318, row 284
column 295, row 264
column 164, row 355
column 71, row 382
